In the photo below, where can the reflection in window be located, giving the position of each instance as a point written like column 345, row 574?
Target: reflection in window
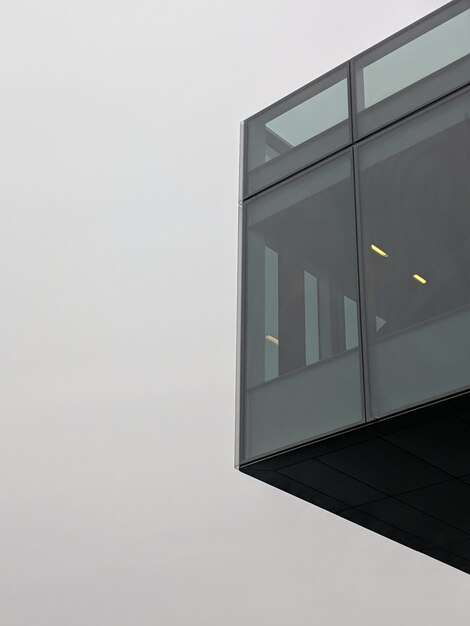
column 430, row 52
column 300, row 280
column 293, row 133
column 415, row 199
column 302, row 367
column 413, row 68
column 308, row 119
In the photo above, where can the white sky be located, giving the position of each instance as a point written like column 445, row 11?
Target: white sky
column 119, row 505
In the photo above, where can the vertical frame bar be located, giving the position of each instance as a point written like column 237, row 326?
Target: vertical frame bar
column 360, row 268
column 363, row 344
column 239, row 371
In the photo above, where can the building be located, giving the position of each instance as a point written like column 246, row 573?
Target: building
column 354, row 285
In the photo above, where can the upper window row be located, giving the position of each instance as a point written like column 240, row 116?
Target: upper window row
column 398, row 76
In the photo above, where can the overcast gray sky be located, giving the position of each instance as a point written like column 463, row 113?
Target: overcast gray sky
column 119, row 504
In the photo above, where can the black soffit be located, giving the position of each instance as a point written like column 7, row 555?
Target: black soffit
column 396, row 477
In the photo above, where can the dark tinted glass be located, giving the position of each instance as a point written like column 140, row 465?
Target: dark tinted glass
column 413, row 68
column 295, row 132
column 301, row 325
column 415, row 210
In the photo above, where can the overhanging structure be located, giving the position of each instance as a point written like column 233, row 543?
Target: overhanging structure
column 354, row 291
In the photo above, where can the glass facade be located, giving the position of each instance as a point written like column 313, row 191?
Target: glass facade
column 409, row 70
column 301, row 309
column 297, row 131
column 414, row 200
column 355, row 303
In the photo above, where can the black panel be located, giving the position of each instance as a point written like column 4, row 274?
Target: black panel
column 461, row 549
column 384, row 466
column 413, row 418
column 328, row 480
column 448, row 501
column 444, row 443
column 385, row 529
column 413, row 521
column 299, row 490
column 464, row 415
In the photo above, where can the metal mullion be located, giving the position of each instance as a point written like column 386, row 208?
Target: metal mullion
column 363, row 343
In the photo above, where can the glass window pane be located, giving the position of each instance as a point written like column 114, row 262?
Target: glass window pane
column 301, row 343
column 415, row 199
column 295, row 132
column 419, row 65
column 311, row 117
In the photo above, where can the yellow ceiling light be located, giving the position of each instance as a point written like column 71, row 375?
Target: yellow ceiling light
column 378, row 250
column 420, row 279
column 273, row 340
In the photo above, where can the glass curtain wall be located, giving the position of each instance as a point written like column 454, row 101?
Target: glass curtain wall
column 302, row 358
column 297, row 131
column 414, row 191
column 306, row 368
column 413, row 68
